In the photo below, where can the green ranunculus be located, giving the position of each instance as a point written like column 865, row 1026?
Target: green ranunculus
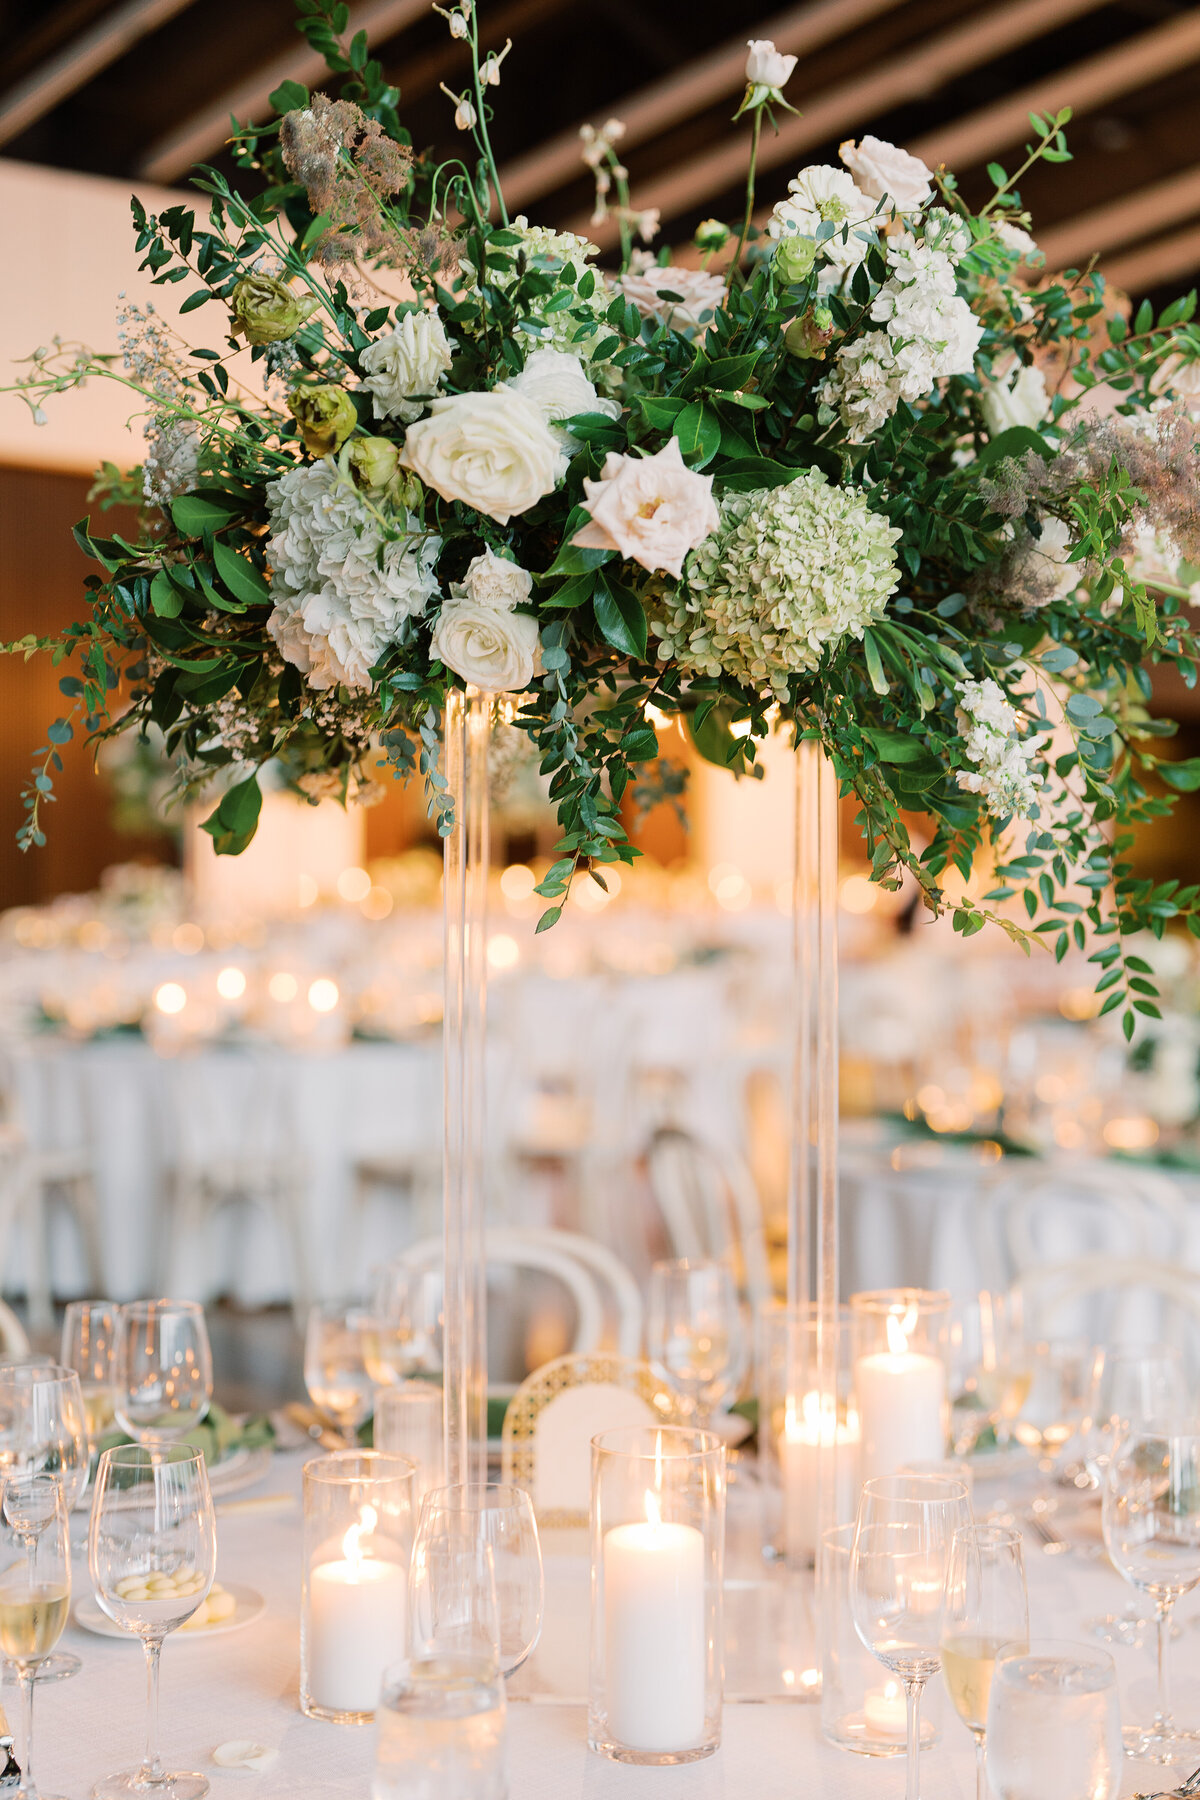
column 370, row 462
column 794, row 258
column 711, row 235
column 325, row 415
column 809, row 336
column 266, row 311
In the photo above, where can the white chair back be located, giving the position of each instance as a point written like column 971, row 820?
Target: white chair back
column 1059, row 1213
column 710, row 1206
column 14, row 1341
column 1114, row 1300
column 515, row 1248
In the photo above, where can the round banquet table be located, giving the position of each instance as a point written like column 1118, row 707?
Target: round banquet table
column 244, row 1685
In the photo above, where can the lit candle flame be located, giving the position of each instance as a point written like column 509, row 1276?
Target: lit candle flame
column 900, row 1330
column 653, row 1509
column 352, row 1548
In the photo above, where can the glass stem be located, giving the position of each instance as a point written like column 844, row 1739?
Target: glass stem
column 912, row 1688
column 981, row 1780
column 1162, row 1612
column 28, row 1785
column 152, row 1769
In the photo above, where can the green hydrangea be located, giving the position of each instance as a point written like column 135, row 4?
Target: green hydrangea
column 789, row 572
column 579, row 328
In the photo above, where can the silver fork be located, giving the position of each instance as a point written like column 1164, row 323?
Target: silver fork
column 1053, row 1541
column 1190, row 1787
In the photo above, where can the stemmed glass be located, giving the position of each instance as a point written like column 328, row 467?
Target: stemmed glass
column 1054, row 1723
column 987, row 1607
column 902, row 1543
column 454, row 1522
column 409, row 1302
column 89, row 1346
column 35, row 1587
column 43, row 1431
column 995, row 1361
column 152, row 1551
column 335, row 1368
column 694, row 1333
column 1152, row 1534
column 163, row 1378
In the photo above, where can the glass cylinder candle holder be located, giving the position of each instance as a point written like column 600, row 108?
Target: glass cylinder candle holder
column 658, row 1550
column 409, row 1422
column 863, row 1707
column 789, row 1436
column 900, row 1377
column 358, row 1535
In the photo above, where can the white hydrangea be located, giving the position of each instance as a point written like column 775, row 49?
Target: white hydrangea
column 929, row 332
column 788, row 573
column 991, row 740
column 343, row 588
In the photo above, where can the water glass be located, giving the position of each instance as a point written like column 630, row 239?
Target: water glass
column 335, row 1368
column 43, row 1431
column 152, row 1552
column 1054, row 1724
column 453, row 1522
column 408, row 1422
column 987, row 1610
column 35, row 1587
column 898, row 1567
column 163, row 1380
column 440, row 1731
column 694, row 1333
column 89, row 1346
column 1152, row 1535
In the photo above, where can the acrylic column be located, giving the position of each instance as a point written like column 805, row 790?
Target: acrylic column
column 467, row 742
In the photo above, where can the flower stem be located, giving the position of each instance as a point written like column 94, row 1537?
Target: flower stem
column 755, row 131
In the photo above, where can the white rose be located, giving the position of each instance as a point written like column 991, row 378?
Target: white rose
column 653, row 509
column 1019, row 242
column 494, row 581
column 405, row 366
column 490, row 648
column 766, row 66
column 883, row 171
column 1021, row 401
column 554, row 381
column 493, row 450
column 699, row 293
column 820, row 195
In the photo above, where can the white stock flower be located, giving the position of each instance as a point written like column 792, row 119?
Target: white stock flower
column 488, row 646
column 405, row 366
column 554, row 382
column 494, row 581
column 991, row 740
column 885, row 172
column 1021, row 400
column 820, row 195
column 343, row 589
column 766, row 66
column 494, row 451
column 653, row 509
column 651, row 287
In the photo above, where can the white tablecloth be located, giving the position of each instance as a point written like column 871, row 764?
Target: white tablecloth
column 244, row 1685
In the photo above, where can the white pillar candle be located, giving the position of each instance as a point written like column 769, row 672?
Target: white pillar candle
column 885, row 1713
column 655, row 1653
column 799, row 1455
column 357, row 1627
column 901, row 1397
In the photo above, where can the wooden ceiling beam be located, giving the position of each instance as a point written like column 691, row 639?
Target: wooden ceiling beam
column 903, row 76
column 202, row 133
column 64, row 72
column 1135, row 216
column 1152, row 265
column 689, row 90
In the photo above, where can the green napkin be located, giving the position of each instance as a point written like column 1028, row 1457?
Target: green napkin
column 219, row 1435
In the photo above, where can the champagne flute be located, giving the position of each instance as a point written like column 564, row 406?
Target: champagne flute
column 35, row 1588
column 163, row 1380
column 89, row 1346
column 694, row 1333
column 1152, row 1535
column 454, row 1520
column 152, row 1551
column 987, row 1608
column 902, row 1542
column 43, row 1431
column 1054, row 1724
column 336, row 1375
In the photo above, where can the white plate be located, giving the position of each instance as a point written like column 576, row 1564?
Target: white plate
column 250, row 1604
column 240, row 1470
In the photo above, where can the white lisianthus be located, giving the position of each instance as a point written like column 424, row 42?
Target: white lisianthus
column 653, row 509
column 490, row 647
column 887, row 173
column 405, row 366
column 554, row 381
column 494, row 451
column 821, row 195
column 494, row 581
column 651, row 287
column 1022, row 400
column 766, row 66
column 991, row 740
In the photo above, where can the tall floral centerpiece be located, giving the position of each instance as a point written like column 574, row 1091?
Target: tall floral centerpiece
column 863, row 470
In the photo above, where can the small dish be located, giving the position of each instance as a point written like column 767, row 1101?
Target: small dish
column 250, row 1606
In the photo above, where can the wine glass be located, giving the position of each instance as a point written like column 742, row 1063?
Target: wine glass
column 35, row 1587
column 335, row 1369
column 453, row 1607
column 1054, row 1723
column 1152, row 1535
column 987, row 1608
column 152, row 1551
column 410, row 1299
column 500, row 1517
column 89, row 1346
column 163, row 1379
column 694, row 1333
column 43, row 1431
column 1054, row 1410
column 996, row 1363
column 902, row 1542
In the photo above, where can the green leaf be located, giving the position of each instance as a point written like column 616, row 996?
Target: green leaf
column 193, row 514
column 875, row 672
column 997, row 175
column 1184, row 777
column 663, row 411
column 289, row 96
column 571, row 559
column 235, row 821
column 195, row 300
column 550, row 917
column 895, row 746
column 165, row 597
column 1014, row 442
column 620, row 616
column 729, row 371
column 240, row 576
column 573, row 592
column 698, row 429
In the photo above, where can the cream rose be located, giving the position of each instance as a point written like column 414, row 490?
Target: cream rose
column 766, row 66
column 404, row 367
column 492, row 580
column 653, row 509
column 554, row 381
column 490, row 647
column 649, row 288
column 883, row 171
column 493, row 450
column 1023, row 400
